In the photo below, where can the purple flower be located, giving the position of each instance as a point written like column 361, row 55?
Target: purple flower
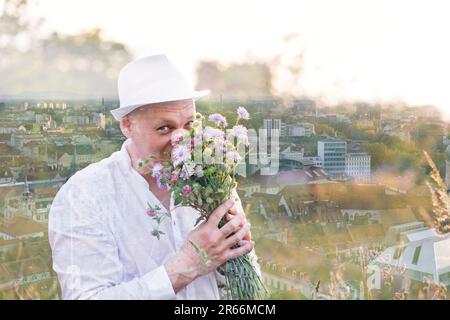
column 213, row 133
column 218, row 119
column 186, row 190
column 157, row 170
column 180, row 153
column 243, row 113
column 160, row 185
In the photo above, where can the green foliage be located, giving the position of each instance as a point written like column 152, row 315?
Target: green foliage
column 323, row 128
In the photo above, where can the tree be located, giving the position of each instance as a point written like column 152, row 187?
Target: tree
column 379, row 153
column 322, row 128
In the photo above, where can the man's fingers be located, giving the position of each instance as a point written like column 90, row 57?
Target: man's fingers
column 215, row 217
column 238, row 236
column 244, row 247
column 248, row 236
column 233, row 210
column 231, row 226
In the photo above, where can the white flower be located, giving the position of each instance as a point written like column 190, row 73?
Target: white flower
column 241, row 133
column 233, row 156
column 207, row 152
column 180, row 153
column 199, row 171
column 190, row 167
column 243, row 113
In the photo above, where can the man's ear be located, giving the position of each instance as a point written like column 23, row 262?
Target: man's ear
column 125, row 126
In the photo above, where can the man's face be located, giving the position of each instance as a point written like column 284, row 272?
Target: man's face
column 150, row 128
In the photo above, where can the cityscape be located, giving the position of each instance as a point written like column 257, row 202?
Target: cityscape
column 355, row 210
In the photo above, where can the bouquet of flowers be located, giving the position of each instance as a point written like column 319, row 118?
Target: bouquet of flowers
column 200, row 173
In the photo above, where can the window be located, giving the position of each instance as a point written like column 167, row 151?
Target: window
column 416, row 255
column 398, row 252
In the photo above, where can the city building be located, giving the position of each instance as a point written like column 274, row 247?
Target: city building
column 332, row 152
column 301, row 130
column 99, row 119
column 426, row 257
column 357, row 166
column 274, row 124
column 77, row 120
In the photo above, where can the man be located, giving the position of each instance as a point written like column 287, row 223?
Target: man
column 99, row 231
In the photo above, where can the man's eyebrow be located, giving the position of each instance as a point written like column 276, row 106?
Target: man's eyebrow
column 169, row 121
column 164, row 121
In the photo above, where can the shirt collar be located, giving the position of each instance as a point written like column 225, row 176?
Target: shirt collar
column 125, row 164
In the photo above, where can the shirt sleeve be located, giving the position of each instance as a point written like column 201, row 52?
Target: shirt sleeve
column 86, row 258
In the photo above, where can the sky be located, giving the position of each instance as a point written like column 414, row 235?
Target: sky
column 353, row 49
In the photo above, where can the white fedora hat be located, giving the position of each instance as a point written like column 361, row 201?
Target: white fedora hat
column 148, row 80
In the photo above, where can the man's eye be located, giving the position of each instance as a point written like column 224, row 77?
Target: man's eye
column 163, row 129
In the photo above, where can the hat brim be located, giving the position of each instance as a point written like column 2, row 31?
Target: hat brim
column 121, row 112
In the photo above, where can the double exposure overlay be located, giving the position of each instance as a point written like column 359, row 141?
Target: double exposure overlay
column 347, row 196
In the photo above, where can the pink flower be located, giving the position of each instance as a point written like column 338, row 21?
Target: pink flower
column 218, row 119
column 150, row 212
column 178, row 136
column 243, row 113
column 197, row 140
column 186, row 190
column 174, row 178
column 184, row 175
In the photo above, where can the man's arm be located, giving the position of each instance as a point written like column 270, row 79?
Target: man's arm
column 86, row 259
column 85, row 255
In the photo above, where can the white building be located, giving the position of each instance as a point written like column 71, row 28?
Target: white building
column 8, row 127
column 299, row 156
column 19, row 138
column 302, row 130
column 78, row 120
column 357, row 166
column 99, row 119
column 316, row 161
column 274, row 124
column 427, row 257
column 332, row 152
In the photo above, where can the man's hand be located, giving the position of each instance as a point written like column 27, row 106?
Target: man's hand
column 233, row 212
column 215, row 246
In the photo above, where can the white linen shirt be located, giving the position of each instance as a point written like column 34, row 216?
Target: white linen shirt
column 101, row 240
